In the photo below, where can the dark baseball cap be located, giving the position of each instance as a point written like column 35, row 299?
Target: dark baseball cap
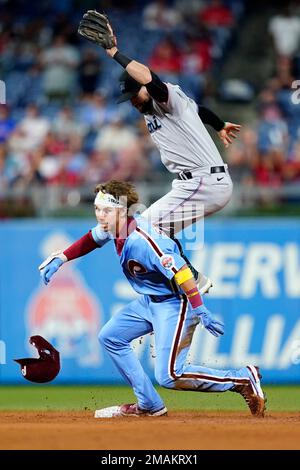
column 129, row 87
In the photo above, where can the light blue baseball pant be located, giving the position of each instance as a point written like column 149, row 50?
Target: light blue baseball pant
column 173, row 323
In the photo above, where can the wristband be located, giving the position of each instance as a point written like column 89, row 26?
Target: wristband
column 194, row 297
column 122, row 59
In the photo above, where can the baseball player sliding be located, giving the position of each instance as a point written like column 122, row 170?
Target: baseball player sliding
column 170, row 305
column 176, row 124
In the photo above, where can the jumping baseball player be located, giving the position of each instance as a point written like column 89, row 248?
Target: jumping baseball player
column 170, row 305
column 176, row 124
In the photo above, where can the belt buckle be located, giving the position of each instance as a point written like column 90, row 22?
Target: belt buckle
column 217, row 169
column 183, row 175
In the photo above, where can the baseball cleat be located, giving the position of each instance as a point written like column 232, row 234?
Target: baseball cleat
column 130, row 410
column 204, row 284
column 134, row 410
column 253, row 393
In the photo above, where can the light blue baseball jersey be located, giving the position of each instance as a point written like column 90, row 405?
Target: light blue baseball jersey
column 149, row 259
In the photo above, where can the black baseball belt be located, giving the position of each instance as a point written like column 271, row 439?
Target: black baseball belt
column 187, row 175
column 160, row 298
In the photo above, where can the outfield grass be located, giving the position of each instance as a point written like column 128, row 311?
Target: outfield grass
column 280, row 398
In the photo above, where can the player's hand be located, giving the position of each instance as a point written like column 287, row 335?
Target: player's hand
column 50, row 269
column 215, row 327
column 228, row 133
column 111, row 52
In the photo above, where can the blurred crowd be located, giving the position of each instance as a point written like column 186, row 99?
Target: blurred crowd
column 61, row 123
column 268, row 154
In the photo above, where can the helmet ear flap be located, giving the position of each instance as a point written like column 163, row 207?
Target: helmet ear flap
column 44, row 368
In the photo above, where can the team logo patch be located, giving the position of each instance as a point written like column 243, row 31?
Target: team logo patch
column 135, row 268
column 167, row 261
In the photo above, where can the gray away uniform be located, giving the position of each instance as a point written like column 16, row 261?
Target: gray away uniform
column 186, row 146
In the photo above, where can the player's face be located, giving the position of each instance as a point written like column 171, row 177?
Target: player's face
column 109, row 218
column 142, row 101
column 106, row 217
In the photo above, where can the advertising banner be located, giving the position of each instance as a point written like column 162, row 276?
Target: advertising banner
column 254, row 265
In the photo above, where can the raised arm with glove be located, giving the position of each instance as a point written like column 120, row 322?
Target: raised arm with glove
column 96, row 27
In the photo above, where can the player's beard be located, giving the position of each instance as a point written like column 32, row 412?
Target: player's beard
column 147, row 107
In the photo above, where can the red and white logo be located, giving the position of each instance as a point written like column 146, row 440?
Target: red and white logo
column 167, row 261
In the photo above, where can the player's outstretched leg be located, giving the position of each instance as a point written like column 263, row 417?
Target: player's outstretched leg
column 245, row 381
column 252, row 392
column 116, row 337
column 174, row 326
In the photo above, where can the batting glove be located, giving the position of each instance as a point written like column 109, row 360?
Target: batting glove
column 215, row 327
column 50, row 269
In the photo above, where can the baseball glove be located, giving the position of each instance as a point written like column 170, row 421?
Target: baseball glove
column 95, row 27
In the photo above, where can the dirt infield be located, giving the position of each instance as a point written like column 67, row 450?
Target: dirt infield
column 192, row 430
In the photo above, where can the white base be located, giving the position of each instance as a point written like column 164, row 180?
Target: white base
column 110, row 412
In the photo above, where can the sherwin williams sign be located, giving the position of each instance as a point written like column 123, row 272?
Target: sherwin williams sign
column 254, row 264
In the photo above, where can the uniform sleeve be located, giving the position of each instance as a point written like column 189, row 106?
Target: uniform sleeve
column 166, row 258
column 207, row 116
column 178, row 101
column 99, row 236
column 81, row 247
column 157, row 89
